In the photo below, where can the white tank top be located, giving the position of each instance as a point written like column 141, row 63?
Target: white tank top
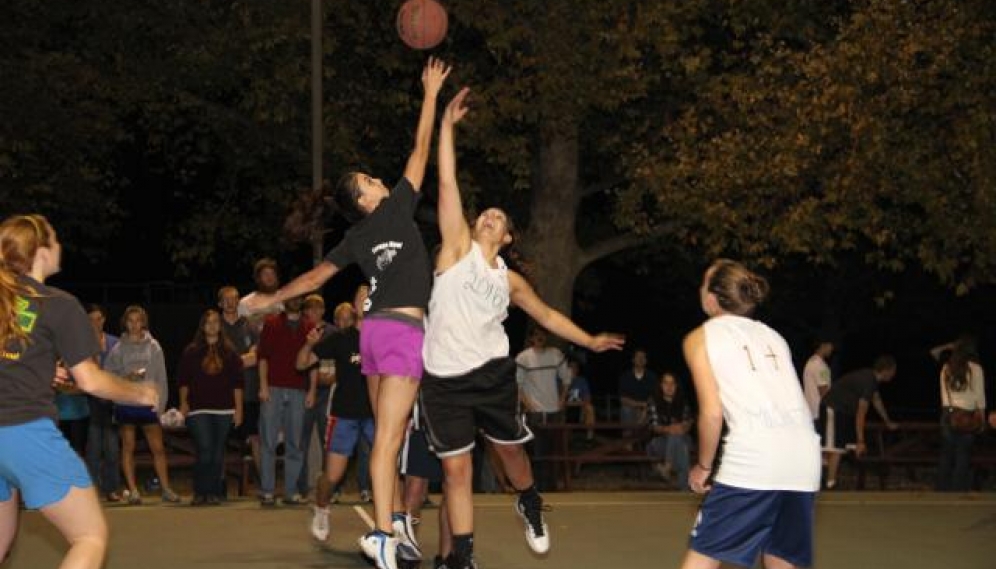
column 771, row 444
column 469, row 302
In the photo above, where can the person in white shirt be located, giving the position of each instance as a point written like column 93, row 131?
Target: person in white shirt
column 762, row 494
column 468, row 387
column 543, row 376
column 816, row 377
column 963, row 389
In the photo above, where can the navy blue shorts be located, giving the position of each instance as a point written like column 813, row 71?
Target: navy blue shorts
column 737, row 525
column 417, row 459
column 35, row 458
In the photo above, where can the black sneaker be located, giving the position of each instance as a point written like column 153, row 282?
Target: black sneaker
column 453, row 563
column 439, row 563
column 530, row 508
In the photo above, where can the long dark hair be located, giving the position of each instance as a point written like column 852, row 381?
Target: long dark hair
column 214, row 354
column 956, row 371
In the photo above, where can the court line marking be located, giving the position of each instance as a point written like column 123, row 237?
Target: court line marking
column 364, row 516
column 696, row 503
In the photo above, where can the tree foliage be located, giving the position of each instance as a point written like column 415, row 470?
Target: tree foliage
column 783, row 132
column 876, row 142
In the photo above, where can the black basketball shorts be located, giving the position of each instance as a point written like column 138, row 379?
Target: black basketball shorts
column 485, row 399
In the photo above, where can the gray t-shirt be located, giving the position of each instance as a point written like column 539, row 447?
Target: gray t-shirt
column 57, row 328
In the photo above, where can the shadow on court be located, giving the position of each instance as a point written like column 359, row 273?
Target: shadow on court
column 588, row 530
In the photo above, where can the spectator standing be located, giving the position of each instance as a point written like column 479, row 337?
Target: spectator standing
column 578, row 396
column 337, row 356
column 74, row 415
column 542, row 376
column 963, row 388
column 315, row 417
column 266, row 276
column 103, row 449
column 210, row 380
column 244, row 340
column 816, row 378
column 635, row 387
column 844, row 411
column 139, row 358
column 284, row 394
column 670, row 419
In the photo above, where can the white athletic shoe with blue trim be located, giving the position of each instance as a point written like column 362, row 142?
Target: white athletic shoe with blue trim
column 381, row 548
column 408, row 548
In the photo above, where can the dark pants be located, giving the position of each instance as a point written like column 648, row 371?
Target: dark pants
column 954, row 472
column 543, row 445
column 209, row 433
column 103, row 451
column 315, row 423
column 75, row 432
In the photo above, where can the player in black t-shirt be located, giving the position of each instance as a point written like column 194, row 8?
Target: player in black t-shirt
column 39, row 326
column 349, row 413
column 387, row 246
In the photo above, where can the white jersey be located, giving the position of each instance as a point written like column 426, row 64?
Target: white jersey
column 469, row 302
column 771, row 444
column 815, row 375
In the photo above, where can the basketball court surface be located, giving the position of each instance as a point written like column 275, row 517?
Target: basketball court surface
column 640, row 530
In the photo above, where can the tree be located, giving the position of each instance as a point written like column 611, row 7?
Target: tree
column 876, row 144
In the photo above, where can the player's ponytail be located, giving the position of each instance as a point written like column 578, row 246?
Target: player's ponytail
column 737, row 289
column 20, row 238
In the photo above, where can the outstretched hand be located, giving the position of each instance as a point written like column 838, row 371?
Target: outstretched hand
column 258, row 302
column 604, row 342
column 457, row 108
column 435, row 73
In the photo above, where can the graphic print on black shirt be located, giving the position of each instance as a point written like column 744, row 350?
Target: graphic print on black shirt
column 389, row 249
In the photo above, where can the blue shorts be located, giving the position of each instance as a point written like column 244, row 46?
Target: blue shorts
column 36, row 459
column 343, row 434
column 736, row 525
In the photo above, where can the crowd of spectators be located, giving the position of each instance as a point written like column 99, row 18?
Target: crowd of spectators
column 240, row 390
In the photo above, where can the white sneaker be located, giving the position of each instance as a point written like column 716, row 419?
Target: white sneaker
column 408, row 548
column 382, row 549
column 537, row 532
column 320, row 524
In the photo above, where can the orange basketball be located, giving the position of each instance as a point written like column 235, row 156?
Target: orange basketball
column 422, row 23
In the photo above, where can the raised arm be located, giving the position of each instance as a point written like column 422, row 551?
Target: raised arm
column 433, row 76
column 307, row 282
column 452, row 224
column 523, row 296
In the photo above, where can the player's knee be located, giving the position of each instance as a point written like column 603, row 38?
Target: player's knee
column 459, row 471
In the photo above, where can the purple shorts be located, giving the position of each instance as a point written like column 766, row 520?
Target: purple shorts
column 391, row 345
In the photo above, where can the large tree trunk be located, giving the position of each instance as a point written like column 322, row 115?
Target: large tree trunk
column 550, row 243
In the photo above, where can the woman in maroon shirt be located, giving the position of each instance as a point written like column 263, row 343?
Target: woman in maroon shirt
column 210, row 378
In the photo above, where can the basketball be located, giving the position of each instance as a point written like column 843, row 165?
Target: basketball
column 422, row 23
